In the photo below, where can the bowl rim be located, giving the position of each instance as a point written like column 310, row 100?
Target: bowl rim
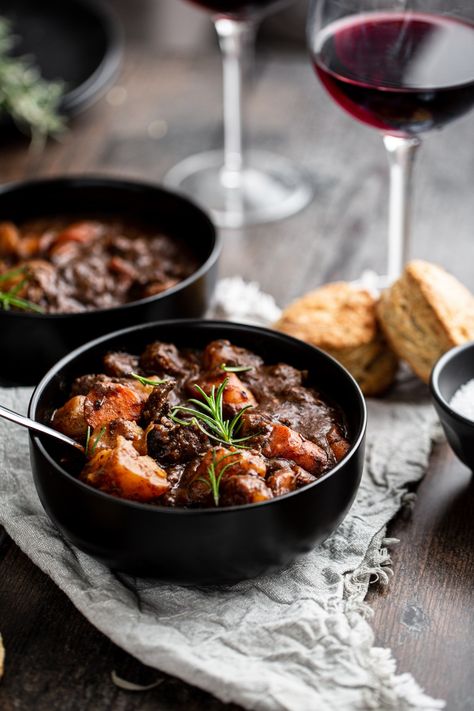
column 36, row 439
column 84, row 95
column 98, row 180
column 436, row 372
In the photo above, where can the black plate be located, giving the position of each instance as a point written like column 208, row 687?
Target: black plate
column 77, row 41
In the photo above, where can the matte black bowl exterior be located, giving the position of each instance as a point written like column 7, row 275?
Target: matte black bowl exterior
column 31, row 343
column 203, row 546
column 452, row 370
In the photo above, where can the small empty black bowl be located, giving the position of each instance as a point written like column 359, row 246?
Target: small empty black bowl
column 30, row 342
column 454, row 369
column 202, row 546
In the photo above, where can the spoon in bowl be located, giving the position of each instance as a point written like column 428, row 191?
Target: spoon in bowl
column 38, row 427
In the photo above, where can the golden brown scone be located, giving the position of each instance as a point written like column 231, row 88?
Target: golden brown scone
column 425, row 313
column 340, row 318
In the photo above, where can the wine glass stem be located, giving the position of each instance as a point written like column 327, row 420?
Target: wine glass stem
column 401, row 154
column 233, row 36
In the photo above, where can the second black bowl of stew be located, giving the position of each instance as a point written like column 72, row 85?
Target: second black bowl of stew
column 82, row 256
column 214, row 451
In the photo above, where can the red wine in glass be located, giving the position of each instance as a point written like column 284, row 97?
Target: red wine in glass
column 236, row 8
column 400, row 73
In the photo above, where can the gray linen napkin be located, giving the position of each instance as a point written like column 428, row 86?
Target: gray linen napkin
column 291, row 641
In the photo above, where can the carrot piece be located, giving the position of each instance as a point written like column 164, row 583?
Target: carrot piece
column 285, row 442
column 111, row 401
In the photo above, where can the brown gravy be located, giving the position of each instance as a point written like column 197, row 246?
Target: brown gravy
column 80, row 265
column 154, row 438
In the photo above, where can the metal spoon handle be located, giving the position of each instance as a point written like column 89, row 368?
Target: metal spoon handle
column 37, row 427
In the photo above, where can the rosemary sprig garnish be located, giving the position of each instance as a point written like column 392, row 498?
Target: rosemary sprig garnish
column 148, row 381
column 88, row 449
column 208, row 416
column 214, row 479
column 12, row 273
column 25, row 95
column 236, row 368
column 10, row 298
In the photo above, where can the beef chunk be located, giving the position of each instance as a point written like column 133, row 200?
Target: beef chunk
column 172, row 443
column 158, row 403
column 243, row 489
column 278, row 381
column 222, row 352
column 85, row 383
column 119, row 364
column 285, row 476
column 162, row 358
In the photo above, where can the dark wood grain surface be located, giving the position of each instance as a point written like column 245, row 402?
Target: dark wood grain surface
column 55, row 659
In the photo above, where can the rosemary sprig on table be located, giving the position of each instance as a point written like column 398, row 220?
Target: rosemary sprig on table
column 207, row 414
column 30, row 100
column 10, row 298
column 214, row 478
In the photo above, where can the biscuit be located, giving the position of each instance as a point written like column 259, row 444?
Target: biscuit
column 425, row 313
column 340, row 318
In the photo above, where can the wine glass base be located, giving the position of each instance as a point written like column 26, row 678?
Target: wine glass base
column 268, row 188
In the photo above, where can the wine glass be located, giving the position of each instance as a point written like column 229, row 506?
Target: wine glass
column 237, row 186
column 402, row 66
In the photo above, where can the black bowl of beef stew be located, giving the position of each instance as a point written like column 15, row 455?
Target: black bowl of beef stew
column 287, row 480
column 83, row 256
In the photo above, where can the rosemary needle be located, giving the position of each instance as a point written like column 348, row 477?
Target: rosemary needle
column 214, row 479
column 10, row 298
column 148, row 381
column 207, row 414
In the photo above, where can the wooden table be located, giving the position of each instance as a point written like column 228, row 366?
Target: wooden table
column 55, row 659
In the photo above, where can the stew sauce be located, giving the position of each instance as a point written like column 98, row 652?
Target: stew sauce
column 71, row 266
column 218, row 427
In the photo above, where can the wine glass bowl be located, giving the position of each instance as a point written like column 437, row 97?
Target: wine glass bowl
column 402, row 69
column 402, row 73
column 238, row 9
column 237, row 186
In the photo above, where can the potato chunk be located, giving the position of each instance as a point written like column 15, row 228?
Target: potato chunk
column 70, row 419
column 106, row 436
column 124, row 473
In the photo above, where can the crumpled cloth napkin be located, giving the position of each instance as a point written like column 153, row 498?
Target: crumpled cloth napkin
column 296, row 640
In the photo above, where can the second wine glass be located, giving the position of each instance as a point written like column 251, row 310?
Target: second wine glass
column 403, row 68
column 239, row 186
